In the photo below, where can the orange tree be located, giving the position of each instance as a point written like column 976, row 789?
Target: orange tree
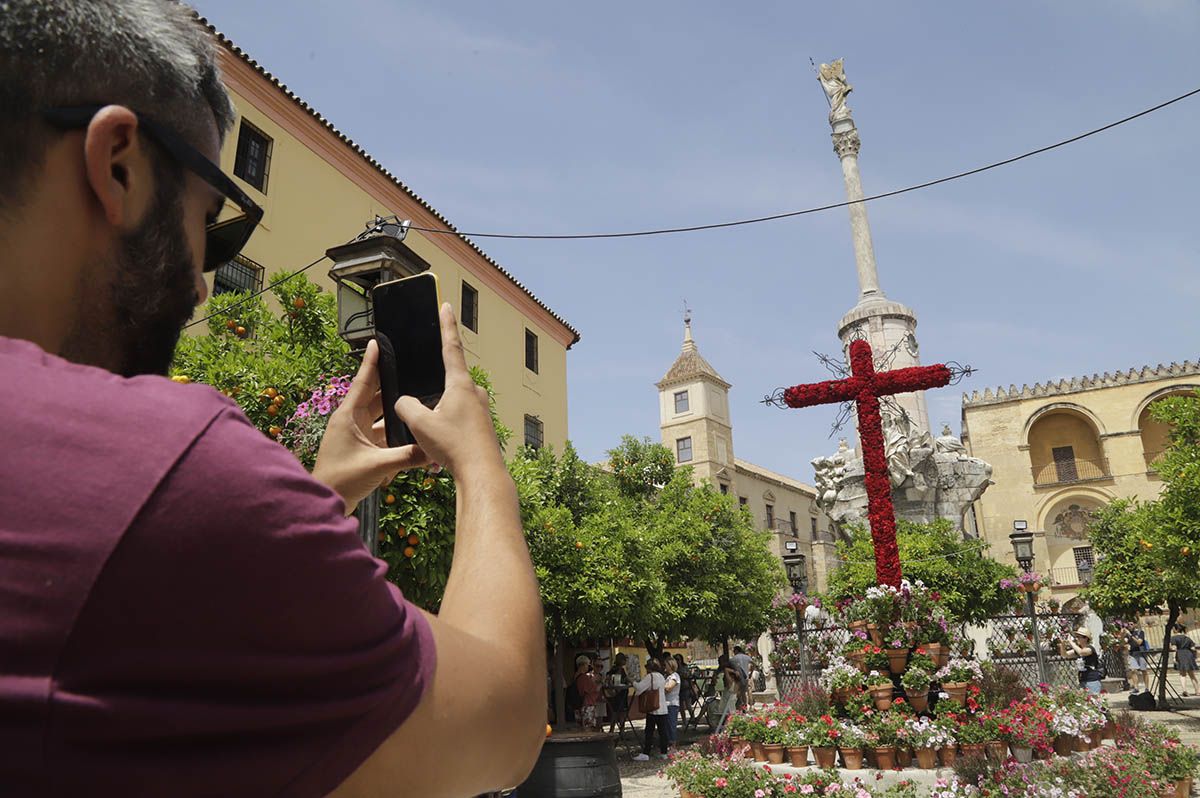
column 1148, row 554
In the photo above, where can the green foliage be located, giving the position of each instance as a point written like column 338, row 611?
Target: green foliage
column 960, row 570
column 288, row 353
column 640, row 467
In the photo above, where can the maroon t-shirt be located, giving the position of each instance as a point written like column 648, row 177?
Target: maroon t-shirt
column 184, row 611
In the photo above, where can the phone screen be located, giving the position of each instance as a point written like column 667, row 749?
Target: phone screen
column 409, row 335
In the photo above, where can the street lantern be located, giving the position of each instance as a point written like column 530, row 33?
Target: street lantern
column 1022, row 543
column 378, row 255
column 797, row 573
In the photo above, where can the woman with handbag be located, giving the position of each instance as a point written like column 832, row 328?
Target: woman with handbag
column 1090, row 673
column 653, row 702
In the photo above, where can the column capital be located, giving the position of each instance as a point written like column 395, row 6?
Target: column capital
column 847, row 143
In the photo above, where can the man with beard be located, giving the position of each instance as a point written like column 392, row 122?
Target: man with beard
column 184, row 610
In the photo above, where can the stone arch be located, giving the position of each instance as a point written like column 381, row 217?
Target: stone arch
column 1051, row 506
column 1065, row 445
column 1070, row 407
column 1155, row 434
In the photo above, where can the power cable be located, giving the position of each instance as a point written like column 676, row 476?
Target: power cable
column 832, row 206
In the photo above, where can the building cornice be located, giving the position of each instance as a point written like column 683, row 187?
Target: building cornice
column 1073, row 385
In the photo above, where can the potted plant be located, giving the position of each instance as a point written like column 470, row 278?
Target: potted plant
column 956, row 675
column 850, row 743
column 822, row 735
column 948, row 727
column 972, row 737
column 880, row 685
column 884, row 735
column 993, row 744
column 923, row 659
column 897, row 640
column 797, row 747
column 856, row 649
column 916, row 682
column 755, row 733
column 842, row 680
column 926, row 738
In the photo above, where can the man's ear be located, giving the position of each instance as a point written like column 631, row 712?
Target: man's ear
column 119, row 169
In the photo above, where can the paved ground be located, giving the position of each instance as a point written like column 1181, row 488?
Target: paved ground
column 641, row 779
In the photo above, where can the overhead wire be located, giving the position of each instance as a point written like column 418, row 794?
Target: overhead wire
column 741, row 222
column 819, row 208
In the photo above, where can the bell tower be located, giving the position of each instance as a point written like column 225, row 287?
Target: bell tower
column 693, row 402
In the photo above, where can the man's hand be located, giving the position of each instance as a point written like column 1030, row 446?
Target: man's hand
column 458, row 432
column 354, row 457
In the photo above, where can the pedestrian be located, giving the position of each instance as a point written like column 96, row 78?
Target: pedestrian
column 588, row 691
column 1185, row 659
column 671, row 691
column 731, row 688
column 657, row 717
column 187, row 610
column 618, row 684
column 742, row 661
column 687, row 689
column 1135, row 639
column 1090, row 674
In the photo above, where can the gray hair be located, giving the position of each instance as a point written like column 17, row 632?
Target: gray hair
column 152, row 56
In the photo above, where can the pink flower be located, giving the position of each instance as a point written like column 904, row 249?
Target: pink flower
column 759, row 794
column 720, row 781
column 807, row 789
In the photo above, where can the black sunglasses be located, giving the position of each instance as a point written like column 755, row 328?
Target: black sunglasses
column 223, row 240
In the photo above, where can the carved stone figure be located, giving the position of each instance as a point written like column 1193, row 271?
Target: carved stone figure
column 950, row 443
column 833, row 81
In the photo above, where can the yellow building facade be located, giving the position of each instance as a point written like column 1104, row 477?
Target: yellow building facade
column 319, row 189
column 1061, row 450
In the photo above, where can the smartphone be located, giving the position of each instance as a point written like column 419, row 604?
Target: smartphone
column 409, row 334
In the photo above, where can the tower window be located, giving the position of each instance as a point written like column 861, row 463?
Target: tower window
column 681, row 402
column 770, row 516
column 683, row 450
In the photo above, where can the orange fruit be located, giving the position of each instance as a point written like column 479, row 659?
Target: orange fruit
column 272, row 409
column 401, row 532
column 410, row 552
column 278, row 400
column 389, row 499
column 276, row 431
column 241, row 331
column 230, row 324
column 427, row 483
column 413, row 540
column 298, row 303
column 578, row 545
column 271, row 393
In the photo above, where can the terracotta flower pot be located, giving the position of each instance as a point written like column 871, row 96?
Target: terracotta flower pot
column 957, row 691
column 927, row 758
column 885, row 757
column 1022, row 754
column 1064, row 744
column 882, row 696
column 775, row 753
column 1109, row 732
column 876, row 635
column 995, row 750
column 973, row 749
column 1080, row 744
column 852, row 758
column 949, row 755
column 1094, row 739
column 825, row 756
column 1168, row 791
column 934, row 650
column 904, row 757
column 1183, row 788
column 687, row 793
column 943, row 657
column 758, row 752
column 798, row 755
column 919, row 701
column 897, row 660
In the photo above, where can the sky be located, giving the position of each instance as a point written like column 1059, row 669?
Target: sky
column 566, row 117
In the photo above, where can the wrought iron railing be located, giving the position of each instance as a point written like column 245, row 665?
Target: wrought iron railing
column 1063, row 472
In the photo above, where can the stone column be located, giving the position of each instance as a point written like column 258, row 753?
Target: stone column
column 846, row 144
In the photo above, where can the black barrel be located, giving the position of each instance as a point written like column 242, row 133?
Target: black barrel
column 575, row 765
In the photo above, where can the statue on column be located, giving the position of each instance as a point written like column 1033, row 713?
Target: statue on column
column 833, row 81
